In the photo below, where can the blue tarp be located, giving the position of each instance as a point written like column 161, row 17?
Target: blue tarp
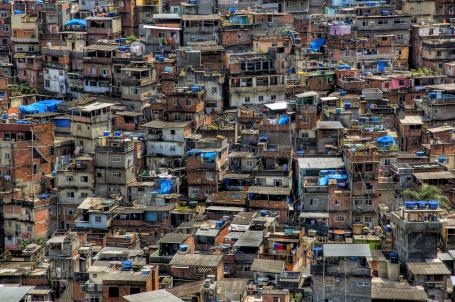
column 165, row 186
column 338, row 176
column 323, row 181
column 194, row 152
column 39, row 107
column 316, row 44
column 18, row 12
column 78, row 22
column 386, row 140
column 263, row 137
column 284, row 120
column 382, row 65
column 344, row 66
column 209, row 156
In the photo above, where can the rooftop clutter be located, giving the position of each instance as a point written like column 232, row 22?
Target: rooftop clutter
column 219, row 150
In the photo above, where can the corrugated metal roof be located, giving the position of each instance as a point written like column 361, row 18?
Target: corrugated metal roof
column 427, row 268
column 13, row 293
column 250, row 239
column 268, row 266
column 321, row 163
column 346, row 250
column 434, row 175
column 161, row 295
column 196, row 260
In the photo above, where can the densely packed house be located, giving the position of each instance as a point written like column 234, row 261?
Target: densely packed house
column 230, row 151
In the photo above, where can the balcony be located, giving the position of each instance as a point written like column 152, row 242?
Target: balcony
column 311, row 185
column 363, row 208
column 97, row 60
column 56, row 65
column 135, row 82
column 90, row 287
column 83, row 224
column 31, row 39
column 351, row 84
column 100, row 31
column 349, row 267
column 367, row 155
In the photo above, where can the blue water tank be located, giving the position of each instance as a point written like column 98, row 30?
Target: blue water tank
column 106, row 133
column 338, row 110
column 126, row 265
column 118, row 133
column 347, row 105
column 420, row 153
column 195, row 88
column 432, row 95
column 343, row 93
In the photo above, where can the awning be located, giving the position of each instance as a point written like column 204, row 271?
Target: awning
column 161, row 27
column 339, row 232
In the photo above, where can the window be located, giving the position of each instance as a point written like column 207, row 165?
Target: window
column 214, row 90
column 276, row 299
column 84, row 178
column 278, row 182
column 134, row 290
column 172, row 148
column 337, row 203
column 84, row 194
column 249, row 163
column 195, row 190
column 177, row 117
column 98, row 218
column 172, row 132
column 70, row 194
column 305, row 120
column 261, row 98
column 69, row 179
column 273, row 97
column 339, row 218
column 116, row 158
column 116, row 174
column 247, row 99
column 314, row 202
column 70, row 211
column 113, row 292
column 363, row 284
column 47, row 83
column 189, row 102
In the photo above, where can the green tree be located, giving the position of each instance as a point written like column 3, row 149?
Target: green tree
column 429, row 192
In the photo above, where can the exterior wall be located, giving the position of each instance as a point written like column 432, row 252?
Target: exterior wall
column 54, row 80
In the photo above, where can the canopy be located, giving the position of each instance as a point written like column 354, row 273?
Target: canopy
column 165, row 186
column 344, row 66
column 284, row 120
column 316, row 44
column 39, row 107
column 382, row 65
column 386, row 140
column 80, row 22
